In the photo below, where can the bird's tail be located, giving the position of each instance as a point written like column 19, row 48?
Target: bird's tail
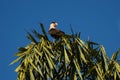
column 72, row 35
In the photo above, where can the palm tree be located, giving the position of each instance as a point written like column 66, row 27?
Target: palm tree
column 68, row 58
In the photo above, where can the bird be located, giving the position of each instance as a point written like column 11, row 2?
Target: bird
column 54, row 32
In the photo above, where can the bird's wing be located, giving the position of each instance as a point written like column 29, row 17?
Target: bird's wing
column 55, row 31
column 60, row 32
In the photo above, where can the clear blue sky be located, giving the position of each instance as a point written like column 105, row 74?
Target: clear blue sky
column 97, row 19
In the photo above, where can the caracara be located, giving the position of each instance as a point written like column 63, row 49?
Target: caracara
column 54, row 32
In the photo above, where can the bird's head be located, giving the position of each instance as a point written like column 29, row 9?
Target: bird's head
column 53, row 25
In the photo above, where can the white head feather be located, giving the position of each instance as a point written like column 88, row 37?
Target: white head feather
column 53, row 25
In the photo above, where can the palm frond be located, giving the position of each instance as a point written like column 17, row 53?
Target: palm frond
column 68, row 58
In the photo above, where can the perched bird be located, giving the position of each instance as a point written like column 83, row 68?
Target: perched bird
column 54, row 32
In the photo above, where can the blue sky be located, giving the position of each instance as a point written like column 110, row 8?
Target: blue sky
column 97, row 19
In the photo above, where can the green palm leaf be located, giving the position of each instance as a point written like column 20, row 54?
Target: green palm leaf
column 43, row 30
column 65, row 59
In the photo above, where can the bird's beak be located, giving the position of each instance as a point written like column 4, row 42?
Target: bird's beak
column 56, row 23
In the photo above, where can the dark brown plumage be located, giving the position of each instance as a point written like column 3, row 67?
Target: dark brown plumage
column 55, row 33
